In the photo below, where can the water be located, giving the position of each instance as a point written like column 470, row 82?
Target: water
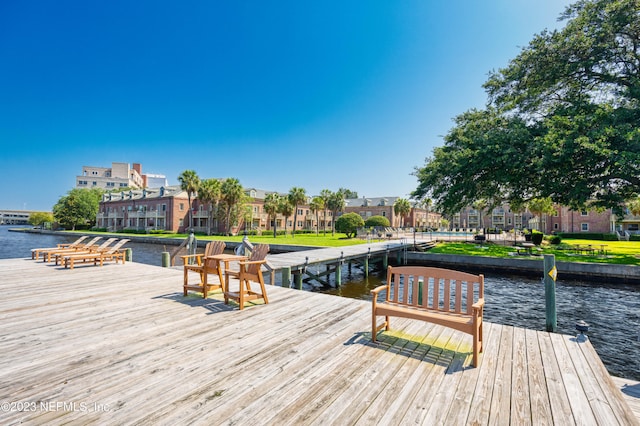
column 613, row 312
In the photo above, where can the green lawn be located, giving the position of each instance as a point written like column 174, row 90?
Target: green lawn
column 617, row 252
column 337, row 240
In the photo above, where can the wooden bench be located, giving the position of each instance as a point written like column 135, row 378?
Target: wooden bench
column 441, row 296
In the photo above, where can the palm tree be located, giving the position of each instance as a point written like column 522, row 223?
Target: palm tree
column 209, row 194
column 540, row 207
column 335, row 204
column 317, row 204
column 427, row 203
column 297, row 196
column 271, row 206
column 480, row 206
column 401, row 208
column 325, row 194
column 189, row 182
column 231, row 194
column 286, row 209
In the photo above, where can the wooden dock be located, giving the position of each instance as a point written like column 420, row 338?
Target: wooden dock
column 298, row 263
column 121, row 345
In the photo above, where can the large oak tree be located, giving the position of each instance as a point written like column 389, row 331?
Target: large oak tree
column 563, row 120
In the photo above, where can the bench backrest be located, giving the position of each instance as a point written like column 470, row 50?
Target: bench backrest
column 438, row 289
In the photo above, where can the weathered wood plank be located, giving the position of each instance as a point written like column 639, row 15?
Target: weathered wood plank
column 520, row 393
column 538, row 395
column 558, row 398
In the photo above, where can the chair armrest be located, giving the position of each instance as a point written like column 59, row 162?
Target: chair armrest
column 252, row 262
column 198, row 258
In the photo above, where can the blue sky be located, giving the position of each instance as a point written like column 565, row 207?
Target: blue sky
column 329, row 94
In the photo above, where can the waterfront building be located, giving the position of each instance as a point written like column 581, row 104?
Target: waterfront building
column 14, row 217
column 500, row 218
column 562, row 220
column 418, row 217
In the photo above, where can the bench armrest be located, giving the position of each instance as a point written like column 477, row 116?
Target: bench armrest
column 378, row 289
column 479, row 304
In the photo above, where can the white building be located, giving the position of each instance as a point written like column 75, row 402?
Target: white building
column 156, row 181
column 118, row 176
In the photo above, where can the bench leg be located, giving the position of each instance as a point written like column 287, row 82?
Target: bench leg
column 477, row 343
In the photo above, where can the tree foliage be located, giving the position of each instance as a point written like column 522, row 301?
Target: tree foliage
column 348, row 194
column 376, row 221
column 78, row 207
column 562, row 120
column 401, row 208
column 325, row 194
column 336, row 204
column 349, row 223
column 317, row 204
column 271, row 207
column 40, row 218
column 209, row 194
column 285, row 208
column 233, row 199
column 190, row 183
column 297, row 196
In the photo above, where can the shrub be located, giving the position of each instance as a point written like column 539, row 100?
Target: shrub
column 349, row 224
column 536, row 237
column 376, row 221
column 555, row 239
column 160, row 231
column 589, row 236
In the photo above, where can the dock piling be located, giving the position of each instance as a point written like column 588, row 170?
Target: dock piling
column 549, row 279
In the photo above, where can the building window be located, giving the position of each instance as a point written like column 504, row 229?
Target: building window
column 111, row 184
column 164, row 207
column 181, row 222
column 584, row 213
column 555, row 226
column 94, row 183
column 584, row 227
column 384, row 214
column 181, row 207
column 122, row 185
column 82, row 182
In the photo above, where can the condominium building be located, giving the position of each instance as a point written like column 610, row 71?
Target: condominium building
column 116, row 177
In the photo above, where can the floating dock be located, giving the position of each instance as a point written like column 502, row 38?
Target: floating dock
column 120, row 344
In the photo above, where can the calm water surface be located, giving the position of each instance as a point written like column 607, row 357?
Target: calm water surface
column 612, row 311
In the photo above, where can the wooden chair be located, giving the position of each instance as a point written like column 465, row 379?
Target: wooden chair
column 250, row 270
column 203, row 267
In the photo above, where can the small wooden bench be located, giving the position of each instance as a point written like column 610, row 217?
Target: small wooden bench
column 441, row 296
